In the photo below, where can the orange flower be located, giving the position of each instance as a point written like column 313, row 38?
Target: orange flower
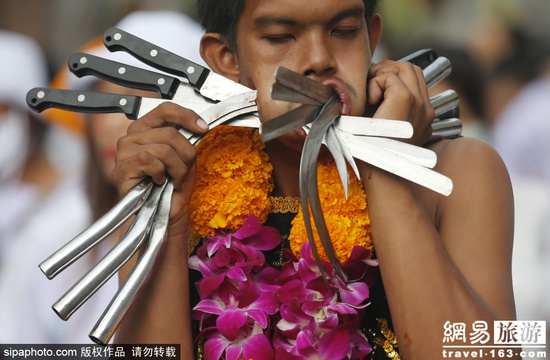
column 347, row 220
column 233, row 180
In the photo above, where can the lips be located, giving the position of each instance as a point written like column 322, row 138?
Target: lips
column 342, row 92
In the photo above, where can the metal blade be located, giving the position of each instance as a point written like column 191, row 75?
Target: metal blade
column 335, row 149
column 219, row 88
column 288, row 121
column 444, row 102
column 210, row 84
column 417, row 154
column 283, row 93
column 375, row 127
column 396, row 164
column 112, row 261
column 345, row 150
column 303, row 85
column 436, row 71
column 127, row 293
column 98, row 231
column 447, row 129
column 309, row 194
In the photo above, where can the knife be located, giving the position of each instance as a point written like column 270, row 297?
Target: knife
column 169, row 87
column 132, row 106
column 207, row 82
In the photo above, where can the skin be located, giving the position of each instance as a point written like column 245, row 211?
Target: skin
column 441, row 258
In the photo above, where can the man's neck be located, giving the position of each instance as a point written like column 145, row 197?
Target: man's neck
column 286, row 169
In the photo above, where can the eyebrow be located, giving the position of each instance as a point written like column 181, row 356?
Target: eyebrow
column 264, row 21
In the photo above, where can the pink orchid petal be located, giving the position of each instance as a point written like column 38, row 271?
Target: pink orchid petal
column 221, row 240
column 287, row 328
column 193, row 262
column 227, row 292
column 334, row 345
column 209, row 284
column 266, row 239
column 360, row 346
column 230, row 322
column 214, row 347
column 233, row 352
column 342, row 309
column 293, row 312
column 249, row 292
column 305, row 345
column 258, row 347
column 330, row 322
column 236, row 273
column 266, row 280
column 250, row 227
column 259, row 316
column 354, row 293
column 292, row 290
column 211, row 306
column 266, row 302
column 202, row 251
column 282, row 354
column 221, row 258
column 249, row 253
column 283, row 342
column 358, row 253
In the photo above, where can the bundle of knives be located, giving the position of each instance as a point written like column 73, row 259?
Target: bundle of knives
column 219, row 100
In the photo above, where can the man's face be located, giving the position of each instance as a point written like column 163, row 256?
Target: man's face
column 326, row 40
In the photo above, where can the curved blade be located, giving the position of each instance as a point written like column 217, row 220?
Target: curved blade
column 309, row 194
column 138, row 277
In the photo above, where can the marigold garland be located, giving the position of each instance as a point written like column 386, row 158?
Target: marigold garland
column 348, row 219
column 234, row 181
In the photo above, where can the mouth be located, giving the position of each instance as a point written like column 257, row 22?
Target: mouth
column 342, row 93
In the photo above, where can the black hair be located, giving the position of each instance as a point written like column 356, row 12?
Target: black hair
column 222, row 16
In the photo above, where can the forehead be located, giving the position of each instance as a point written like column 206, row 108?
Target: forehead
column 302, row 11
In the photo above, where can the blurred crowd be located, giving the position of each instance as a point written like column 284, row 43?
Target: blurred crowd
column 54, row 167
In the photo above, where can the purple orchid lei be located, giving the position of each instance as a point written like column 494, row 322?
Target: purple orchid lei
column 249, row 310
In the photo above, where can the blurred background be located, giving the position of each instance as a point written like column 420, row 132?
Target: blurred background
column 500, row 51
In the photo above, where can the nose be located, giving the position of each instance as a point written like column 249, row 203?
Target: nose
column 318, row 58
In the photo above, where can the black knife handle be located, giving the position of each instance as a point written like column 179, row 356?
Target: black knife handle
column 82, row 64
column 42, row 98
column 421, row 58
column 116, row 39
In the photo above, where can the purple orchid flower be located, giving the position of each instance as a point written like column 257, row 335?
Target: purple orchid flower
column 251, row 344
column 241, row 295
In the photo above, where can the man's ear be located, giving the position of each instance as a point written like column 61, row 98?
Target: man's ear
column 375, row 31
column 219, row 56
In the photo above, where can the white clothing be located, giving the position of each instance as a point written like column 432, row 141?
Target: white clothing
column 522, row 131
column 26, row 295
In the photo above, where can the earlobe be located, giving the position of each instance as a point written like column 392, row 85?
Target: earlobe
column 219, row 56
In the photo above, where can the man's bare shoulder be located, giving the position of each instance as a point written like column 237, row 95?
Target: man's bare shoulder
column 467, row 156
column 481, row 185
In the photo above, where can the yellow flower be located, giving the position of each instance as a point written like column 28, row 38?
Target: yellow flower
column 348, row 221
column 233, row 180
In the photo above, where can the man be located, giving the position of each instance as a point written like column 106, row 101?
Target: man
column 442, row 259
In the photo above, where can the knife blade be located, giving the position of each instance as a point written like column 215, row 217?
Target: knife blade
column 207, row 82
column 169, row 87
column 309, row 193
